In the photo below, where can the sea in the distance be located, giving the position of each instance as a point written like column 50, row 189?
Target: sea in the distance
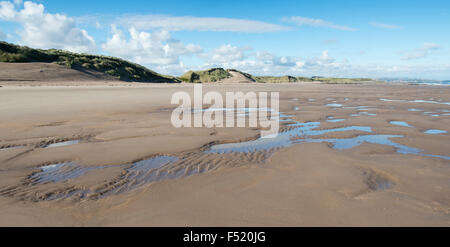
column 433, row 82
column 416, row 81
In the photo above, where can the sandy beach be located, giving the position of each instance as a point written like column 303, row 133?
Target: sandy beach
column 80, row 156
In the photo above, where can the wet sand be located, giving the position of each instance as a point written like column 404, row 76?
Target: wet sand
column 91, row 156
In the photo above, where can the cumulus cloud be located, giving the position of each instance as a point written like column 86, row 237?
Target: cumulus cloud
column 329, row 41
column 421, row 52
column 2, row 36
column 325, row 57
column 226, row 53
column 44, row 30
column 266, row 63
column 384, row 25
column 258, row 63
column 324, row 64
column 272, row 59
column 156, row 48
column 304, row 21
column 191, row 23
column 6, row 10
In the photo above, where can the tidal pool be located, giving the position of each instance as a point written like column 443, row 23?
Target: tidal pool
column 393, row 100
column 416, row 101
column 430, row 101
column 400, row 123
column 334, row 105
column 61, row 144
column 335, row 120
column 10, row 147
column 303, row 133
column 363, row 114
column 158, row 168
column 434, row 131
column 360, row 108
column 283, row 139
column 60, row 172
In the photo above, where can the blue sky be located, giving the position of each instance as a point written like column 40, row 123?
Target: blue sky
column 304, row 38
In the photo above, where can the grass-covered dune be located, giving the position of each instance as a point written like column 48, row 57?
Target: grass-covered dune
column 201, row 76
column 288, row 78
column 318, row 79
column 217, row 74
column 278, row 79
column 334, row 80
column 326, row 80
column 115, row 67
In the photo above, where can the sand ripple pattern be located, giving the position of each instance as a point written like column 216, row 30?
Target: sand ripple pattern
column 39, row 186
column 53, row 181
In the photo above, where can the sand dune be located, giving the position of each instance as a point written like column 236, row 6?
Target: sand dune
column 46, row 72
column 236, row 78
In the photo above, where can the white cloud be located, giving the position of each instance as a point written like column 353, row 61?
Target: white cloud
column 266, row 63
column 326, row 58
column 432, row 46
column 421, row 52
column 226, row 53
column 323, row 64
column 384, row 25
column 43, row 30
column 304, row 21
column 258, row 63
column 156, row 48
column 2, row 36
column 271, row 59
column 191, row 23
column 329, row 41
column 7, row 10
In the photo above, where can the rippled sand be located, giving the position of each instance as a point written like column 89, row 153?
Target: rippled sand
column 107, row 155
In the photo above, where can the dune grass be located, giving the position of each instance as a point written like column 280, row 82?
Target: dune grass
column 115, row 67
column 204, row 76
column 280, row 79
column 325, row 80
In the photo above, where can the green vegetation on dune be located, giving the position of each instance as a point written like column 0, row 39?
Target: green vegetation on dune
column 115, row 67
column 279, row 79
column 210, row 75
column 334, row 80
column 327, row 80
